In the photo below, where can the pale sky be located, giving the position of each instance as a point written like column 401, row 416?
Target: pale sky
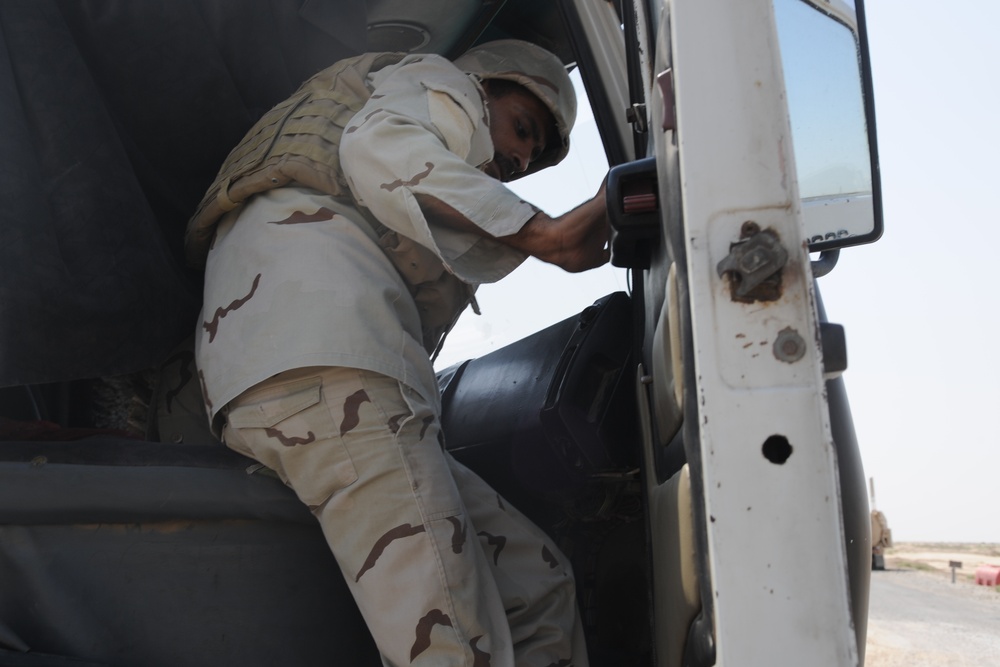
column 920, row 306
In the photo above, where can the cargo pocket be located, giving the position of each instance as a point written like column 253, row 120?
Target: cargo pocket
column 289, row 429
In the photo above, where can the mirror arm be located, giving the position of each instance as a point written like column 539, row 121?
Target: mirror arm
column 824, row 265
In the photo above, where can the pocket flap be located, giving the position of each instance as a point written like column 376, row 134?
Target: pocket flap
column 273, row 407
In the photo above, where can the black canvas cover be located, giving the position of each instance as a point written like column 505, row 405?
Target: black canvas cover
column 114, row 552
column 114, row 117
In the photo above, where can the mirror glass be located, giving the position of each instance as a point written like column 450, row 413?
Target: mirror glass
column 822, row 66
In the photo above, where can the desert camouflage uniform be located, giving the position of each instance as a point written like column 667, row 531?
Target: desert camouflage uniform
column 313, row 356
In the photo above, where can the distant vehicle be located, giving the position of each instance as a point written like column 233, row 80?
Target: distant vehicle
column 881, row 539
column 881, row 533
column 690, row 443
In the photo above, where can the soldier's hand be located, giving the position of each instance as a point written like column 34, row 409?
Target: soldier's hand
column 575, row 241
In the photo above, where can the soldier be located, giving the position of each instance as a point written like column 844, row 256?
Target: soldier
column 348, row 231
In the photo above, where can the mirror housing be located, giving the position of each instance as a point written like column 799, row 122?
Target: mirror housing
column 824, row 52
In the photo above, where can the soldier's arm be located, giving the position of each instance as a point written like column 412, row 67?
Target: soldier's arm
column 575, row 241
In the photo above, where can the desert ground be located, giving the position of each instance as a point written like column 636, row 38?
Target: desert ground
column 919, row 618
column 934, row 557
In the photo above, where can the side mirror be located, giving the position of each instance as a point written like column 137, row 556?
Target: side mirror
column 828, row 82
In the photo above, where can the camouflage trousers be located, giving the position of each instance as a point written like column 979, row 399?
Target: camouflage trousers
column 445, row 572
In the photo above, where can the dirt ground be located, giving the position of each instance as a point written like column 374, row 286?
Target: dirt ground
column 935, row 557
column 921, row 619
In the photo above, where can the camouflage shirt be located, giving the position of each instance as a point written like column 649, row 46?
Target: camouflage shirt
column 299, row 278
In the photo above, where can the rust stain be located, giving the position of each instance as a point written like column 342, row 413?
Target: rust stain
column 757, row 251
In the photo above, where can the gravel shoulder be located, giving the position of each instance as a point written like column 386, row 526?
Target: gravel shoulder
column 919, row 618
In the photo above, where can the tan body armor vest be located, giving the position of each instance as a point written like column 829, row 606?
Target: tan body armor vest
column 298, row 141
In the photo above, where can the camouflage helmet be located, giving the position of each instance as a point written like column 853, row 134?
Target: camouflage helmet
column 541, row 72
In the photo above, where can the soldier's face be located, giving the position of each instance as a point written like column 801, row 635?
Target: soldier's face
column 520, row 126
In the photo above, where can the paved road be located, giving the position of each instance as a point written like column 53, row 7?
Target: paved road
column 921, row 619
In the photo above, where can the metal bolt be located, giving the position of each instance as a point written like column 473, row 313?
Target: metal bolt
column 789, row 346
column 748, row 229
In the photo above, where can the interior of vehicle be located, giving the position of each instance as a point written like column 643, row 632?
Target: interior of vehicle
column 129, row 535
